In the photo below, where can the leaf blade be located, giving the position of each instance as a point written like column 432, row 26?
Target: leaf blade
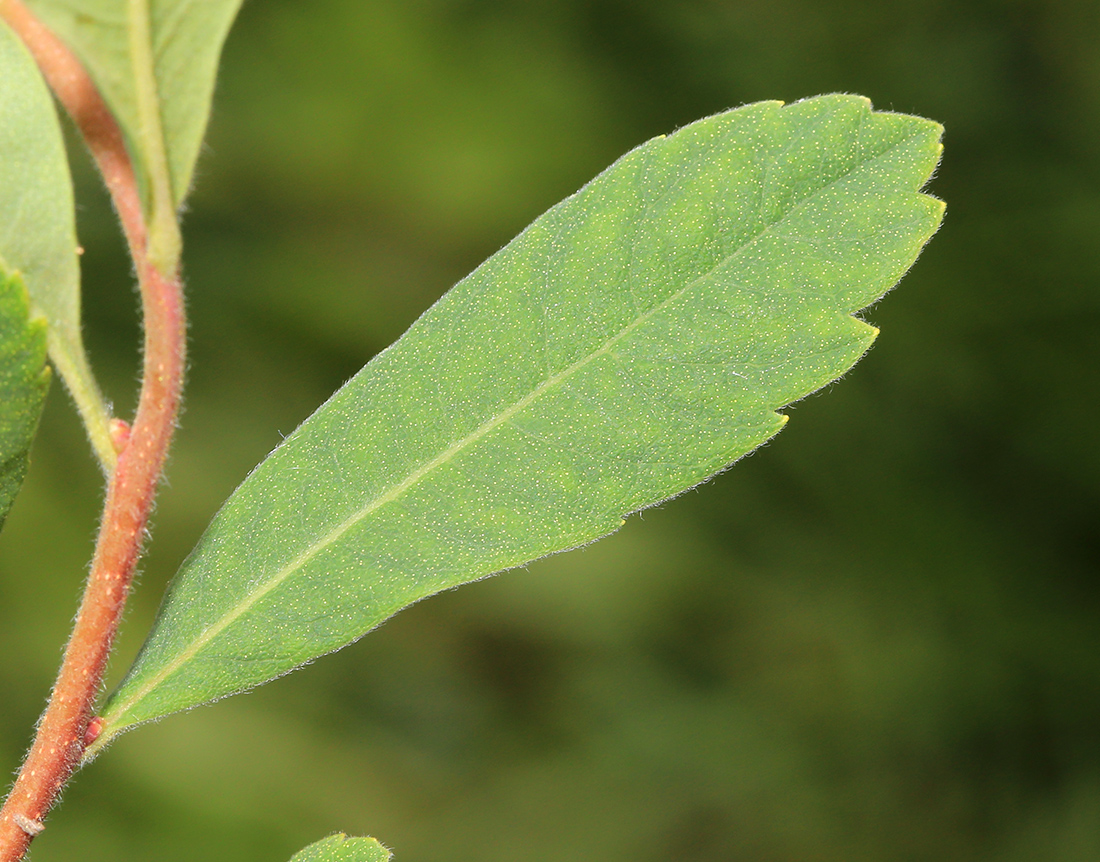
column 128, row 45
column 38, row 225
column 583, row 404
column 341, row 848
column 24, row 382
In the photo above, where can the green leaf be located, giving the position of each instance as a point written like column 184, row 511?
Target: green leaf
column 155, row 62
column 24, row 381
column 340, row 848
column 38, row 225
column 633, row 341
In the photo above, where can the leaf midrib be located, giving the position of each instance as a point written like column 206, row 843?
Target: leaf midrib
column 163, row 229
column 397, row 490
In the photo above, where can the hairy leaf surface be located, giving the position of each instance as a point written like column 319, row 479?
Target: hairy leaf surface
column 633, row 341
column 155, row 62
column 24, row 381
column 37, row 216
column 340, row 848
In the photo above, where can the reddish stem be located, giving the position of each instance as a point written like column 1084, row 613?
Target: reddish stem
column 62, row 732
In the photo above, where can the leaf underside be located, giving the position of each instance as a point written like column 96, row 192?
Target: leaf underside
column 634, row 340
column 184, row 42
column 24, row 381
column 340, row 848
column 37, row 214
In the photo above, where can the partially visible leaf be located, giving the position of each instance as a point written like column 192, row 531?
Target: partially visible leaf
column 24, row 381
column 37, row 221
column 340, row 848
column 38, row 224
column 632, row 342
column 164, row 49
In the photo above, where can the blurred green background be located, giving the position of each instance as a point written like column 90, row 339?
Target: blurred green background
column 876, row 639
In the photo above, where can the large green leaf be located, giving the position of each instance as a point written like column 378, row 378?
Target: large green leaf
column 630, row 343
column 340, row 848
column 155, row 62
column 38, row 222
column 24, row 381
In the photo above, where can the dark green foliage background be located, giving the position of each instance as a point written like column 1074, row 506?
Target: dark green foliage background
column 878, row 639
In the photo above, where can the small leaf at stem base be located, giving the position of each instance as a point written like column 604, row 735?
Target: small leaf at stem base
column 341, row 848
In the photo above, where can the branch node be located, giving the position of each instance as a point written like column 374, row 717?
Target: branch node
column 120, row 434
column 31, row 827
column 95, row 728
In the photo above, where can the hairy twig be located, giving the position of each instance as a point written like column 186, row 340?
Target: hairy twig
column 64, row 729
